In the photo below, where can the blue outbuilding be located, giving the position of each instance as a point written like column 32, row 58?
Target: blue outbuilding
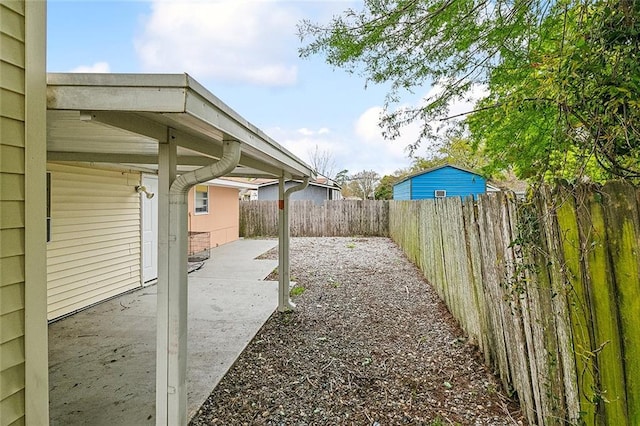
column 439, row 182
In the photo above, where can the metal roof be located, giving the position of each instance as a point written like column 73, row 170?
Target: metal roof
column 322, row 185
column 122, row 118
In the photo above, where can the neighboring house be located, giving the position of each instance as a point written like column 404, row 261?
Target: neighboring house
column 318, row 191
column 492, row 188
column 518, row 187
column 214, row 207
column 439, row 182
column 250, row 191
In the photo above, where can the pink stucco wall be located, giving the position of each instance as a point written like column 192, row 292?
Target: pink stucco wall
column 223, row 219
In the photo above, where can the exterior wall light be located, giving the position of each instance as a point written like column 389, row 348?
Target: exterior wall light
column 141, row 188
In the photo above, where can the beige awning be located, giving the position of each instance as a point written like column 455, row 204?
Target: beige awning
column 121, row 118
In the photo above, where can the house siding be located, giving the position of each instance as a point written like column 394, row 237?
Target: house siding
column 223, row 219
column 457, row 183
column 95, row 246
column 315, row 193
column 402, row 191
column 12, row 212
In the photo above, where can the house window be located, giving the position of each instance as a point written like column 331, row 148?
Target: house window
column 202, row 199
column 440, row 193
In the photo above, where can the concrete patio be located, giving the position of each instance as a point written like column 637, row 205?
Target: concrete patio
column 102, row 360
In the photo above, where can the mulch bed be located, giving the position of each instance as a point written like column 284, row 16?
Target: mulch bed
column 370, row 343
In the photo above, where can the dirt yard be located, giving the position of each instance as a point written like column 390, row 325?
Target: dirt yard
column 370, row 343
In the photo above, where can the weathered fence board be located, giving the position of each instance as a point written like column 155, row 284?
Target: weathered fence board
column 577, row 296
column 491, row 282
column 624, row 243
column 555, row 260
column 550, row 292
column 307, row 219
column 604, row 308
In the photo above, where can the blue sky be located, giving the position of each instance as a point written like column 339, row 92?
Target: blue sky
column 244, row 52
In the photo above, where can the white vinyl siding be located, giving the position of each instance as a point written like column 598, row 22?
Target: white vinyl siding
column 94, row 252
column 12, row 212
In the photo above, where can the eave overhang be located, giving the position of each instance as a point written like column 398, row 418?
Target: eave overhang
column 122, row 118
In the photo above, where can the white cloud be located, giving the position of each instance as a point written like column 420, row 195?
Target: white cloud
column 461, row 106
column 246, row 41
column 305, row 132
column 98, row 67
column 301, row 142
column 367, row 128
column 360, row 147
column 377, row 153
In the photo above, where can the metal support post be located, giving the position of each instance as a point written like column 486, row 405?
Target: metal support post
column 284, row 278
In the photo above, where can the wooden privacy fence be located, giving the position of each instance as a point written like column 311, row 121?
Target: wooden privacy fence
column 337, row 218
column 549, row 290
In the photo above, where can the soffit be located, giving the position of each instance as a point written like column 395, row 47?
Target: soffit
column 122, row 119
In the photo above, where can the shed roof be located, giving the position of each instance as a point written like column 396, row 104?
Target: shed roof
column 331, row 185
column 122, row 118
column 433, row 169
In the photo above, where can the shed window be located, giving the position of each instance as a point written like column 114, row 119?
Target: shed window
column 202, row 199
column 440, row 193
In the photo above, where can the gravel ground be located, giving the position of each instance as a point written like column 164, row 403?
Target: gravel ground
column 370, row 343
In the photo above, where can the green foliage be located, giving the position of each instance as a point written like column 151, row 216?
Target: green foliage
column 384, row 190
column 297, row 291
column 562, row 77
column 456, row 151
column 569, row 108
column 342, row 176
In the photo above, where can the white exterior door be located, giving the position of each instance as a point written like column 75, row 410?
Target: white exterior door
column 150, row 229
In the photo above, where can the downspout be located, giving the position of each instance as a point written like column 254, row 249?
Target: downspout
column 175, row 351
column 284, row 304
column 226, row 164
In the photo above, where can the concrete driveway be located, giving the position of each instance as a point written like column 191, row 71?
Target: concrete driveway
column 102, row 359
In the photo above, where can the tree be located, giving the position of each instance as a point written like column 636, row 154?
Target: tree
column 341, row 177
column 562, row 76
column 384, row 190
column 350, row 189
column 365, row 183
column 573, row 108
column 456, row 151
column 322, row 162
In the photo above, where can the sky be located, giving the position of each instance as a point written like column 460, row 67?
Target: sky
column 246, row 53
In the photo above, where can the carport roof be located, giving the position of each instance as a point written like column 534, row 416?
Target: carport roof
column 122, row 118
